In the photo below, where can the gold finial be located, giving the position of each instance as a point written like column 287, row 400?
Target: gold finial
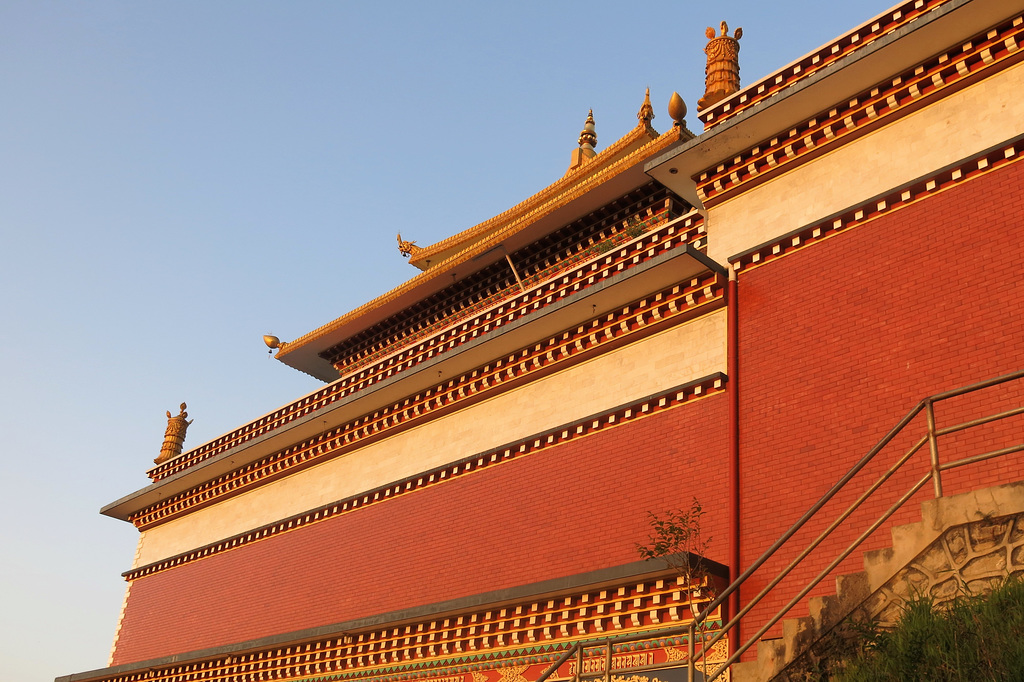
column 722, row 73
column 646, row 113
column 174, row 436
column 677, row 110
column 406, row 248
column 588, row 136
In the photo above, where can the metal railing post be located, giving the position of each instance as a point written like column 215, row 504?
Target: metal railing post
column 933, row 445
column 689, row 649
column 699, row 619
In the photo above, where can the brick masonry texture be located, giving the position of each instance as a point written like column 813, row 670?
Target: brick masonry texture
column 839, row 341
column 573, row 508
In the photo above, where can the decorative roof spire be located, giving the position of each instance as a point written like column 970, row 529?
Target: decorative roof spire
column 722, row 74
column 646, row 113
column 587, row 140
column 588, row 136
column 677, row 110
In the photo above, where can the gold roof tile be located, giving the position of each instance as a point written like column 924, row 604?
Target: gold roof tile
column 479, row 239
column 603, row 159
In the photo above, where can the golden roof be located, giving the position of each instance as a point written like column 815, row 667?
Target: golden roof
column 440, row 258
column 632, row 141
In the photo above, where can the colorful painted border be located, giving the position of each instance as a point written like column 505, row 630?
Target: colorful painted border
column 494, row 643
column 688, row 229
column 951, row 176
column 624, row 414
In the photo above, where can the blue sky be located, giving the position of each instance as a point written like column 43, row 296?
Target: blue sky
column 178, row 179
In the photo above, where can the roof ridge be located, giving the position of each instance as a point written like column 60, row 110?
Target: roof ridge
column 466, row 254
column 603, row 158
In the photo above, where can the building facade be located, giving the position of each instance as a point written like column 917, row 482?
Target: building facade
column 734, row 317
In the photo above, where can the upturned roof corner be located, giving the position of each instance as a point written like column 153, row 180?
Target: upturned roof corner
column 589, row 165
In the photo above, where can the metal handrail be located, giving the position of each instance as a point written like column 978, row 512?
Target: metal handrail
column 935, row 475
column 607, row 643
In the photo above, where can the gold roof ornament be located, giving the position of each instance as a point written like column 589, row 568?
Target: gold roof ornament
column 588, row 136
column 174, row 436
column 646, row 113
column 466, row 247
column 406, row 248
column 273, row 343
column 722, row 73
column 677, row 110
column 587, row 141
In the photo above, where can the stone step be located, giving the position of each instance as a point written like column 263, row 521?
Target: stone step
column 853, row 588
column 771, row 656
column 879, row 566
column 824, row 609
column 745, row 672
column 797, row 635
column 859, row 591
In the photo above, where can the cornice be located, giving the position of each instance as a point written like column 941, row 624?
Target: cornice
column 627, row 324
column 925, row 187
column 582, row 274
column 916, row 87
column 790, row 75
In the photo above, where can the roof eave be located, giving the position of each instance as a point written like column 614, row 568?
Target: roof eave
column 664, row 270
column 677, row 168
column 444, row 249
column 305, row 355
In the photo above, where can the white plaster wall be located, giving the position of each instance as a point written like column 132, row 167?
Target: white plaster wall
column 976, row 118
column 683, row 353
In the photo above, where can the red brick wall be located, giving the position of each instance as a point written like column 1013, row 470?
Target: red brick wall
column 837, row 342
column 840, row 340
column 565, row 510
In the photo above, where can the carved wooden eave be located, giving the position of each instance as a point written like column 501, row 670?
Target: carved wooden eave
column 612, row 173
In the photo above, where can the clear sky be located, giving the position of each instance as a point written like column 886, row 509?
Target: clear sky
column 178, row 179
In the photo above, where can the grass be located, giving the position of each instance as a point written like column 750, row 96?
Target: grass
column 973, row 638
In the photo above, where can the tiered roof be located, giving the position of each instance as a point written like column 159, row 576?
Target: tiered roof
column 612, row 172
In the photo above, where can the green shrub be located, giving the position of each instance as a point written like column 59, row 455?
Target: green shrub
column 973, row 638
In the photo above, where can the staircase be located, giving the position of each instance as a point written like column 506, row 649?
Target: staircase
column 964, row 544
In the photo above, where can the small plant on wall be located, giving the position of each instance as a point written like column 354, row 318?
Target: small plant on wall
column 677, row 539
column 636, row 227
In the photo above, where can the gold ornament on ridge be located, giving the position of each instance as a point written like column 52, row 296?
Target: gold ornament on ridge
column 174, row 436
column 677, row 110
column 722, row 73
